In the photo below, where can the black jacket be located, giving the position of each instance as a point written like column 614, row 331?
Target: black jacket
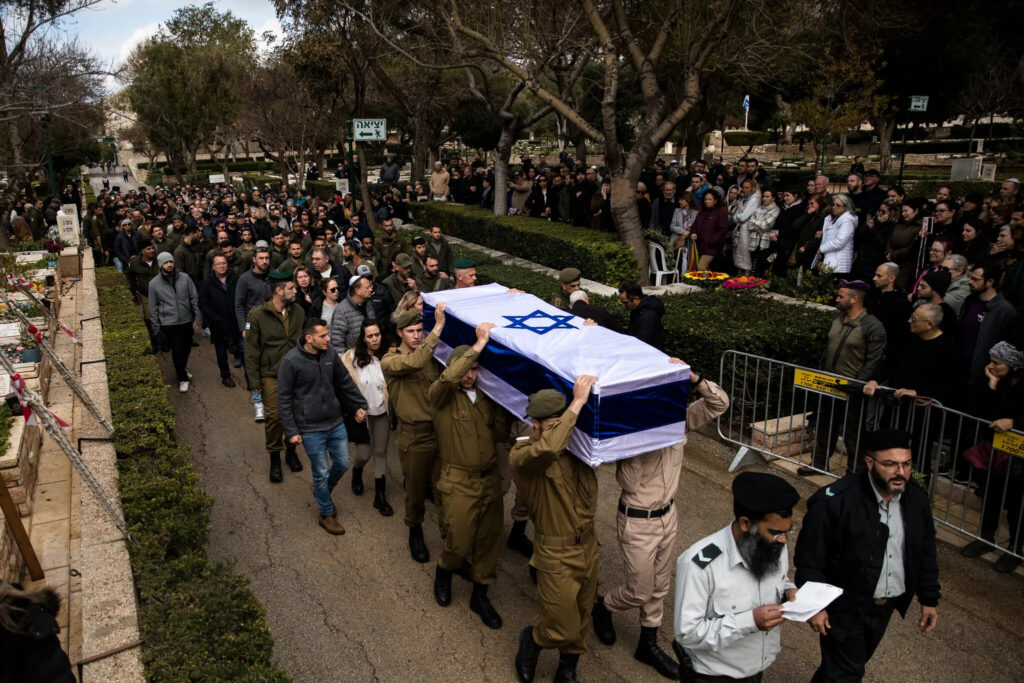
column 313, row 391
column 33, row 654
column 645, row 322
column 842, row 543
column 217, row 303
column 597, row 314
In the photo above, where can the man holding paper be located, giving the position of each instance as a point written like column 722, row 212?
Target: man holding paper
column 729, row 586
column 871, row 533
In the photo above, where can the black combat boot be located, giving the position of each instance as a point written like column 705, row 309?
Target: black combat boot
column 275, row 467
column 648, row 652
column 380, row 501
column 417, row 548
column 518, row 541
column 481, row 605
column 443, row 586
column 602, row 620
column 357, row 482
column 566, row 671
column 526, row 656
column 293, row 460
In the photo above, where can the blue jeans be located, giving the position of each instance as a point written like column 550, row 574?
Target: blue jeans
column 318, row 446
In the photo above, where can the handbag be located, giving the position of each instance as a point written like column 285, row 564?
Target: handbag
column 981, row 457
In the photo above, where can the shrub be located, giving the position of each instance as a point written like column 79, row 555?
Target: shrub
column 928, row 188
column 600, row 255
column 817, row 286
column 256, row 180
column 322, row 189
column 745, row 138
column 198, row 620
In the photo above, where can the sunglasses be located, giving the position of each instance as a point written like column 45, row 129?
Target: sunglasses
column 332, row 289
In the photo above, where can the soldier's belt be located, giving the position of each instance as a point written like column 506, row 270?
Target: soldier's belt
column 643, row 514
column 564, row 541
column 469, row 473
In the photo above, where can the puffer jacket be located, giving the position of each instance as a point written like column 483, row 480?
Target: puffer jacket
column 345, row 323
column 172, row 301
column 837, row 241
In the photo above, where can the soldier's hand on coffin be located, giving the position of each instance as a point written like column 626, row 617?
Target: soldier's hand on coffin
column 581, row 392
column 483, row 335
column 513, row 290
column 589, row 322
column 439, row 317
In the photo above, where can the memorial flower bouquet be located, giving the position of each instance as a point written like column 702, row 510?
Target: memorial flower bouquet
column 745, row 282
column 705, row 278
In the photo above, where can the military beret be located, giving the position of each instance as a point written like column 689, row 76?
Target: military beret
column 278, row 276
column 410, row 317
column 546, row 403
column 418, row 240
column 403, row 259
column 457, row 352
column 884, row 439
column 568, row 275
column 761, row 493
column 464, row 263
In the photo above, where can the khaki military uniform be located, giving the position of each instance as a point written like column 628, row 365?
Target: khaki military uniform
column 560, row 492
column 560, row 302
column 269, row 335
column 469, row 483
column 504, row 443
column 409, row 376
column 647, row 522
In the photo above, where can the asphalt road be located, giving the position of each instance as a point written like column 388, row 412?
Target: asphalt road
column 358, row 608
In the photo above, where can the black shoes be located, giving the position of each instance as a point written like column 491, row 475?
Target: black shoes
column 442, row 586
column 480, row 604
column 566, row 671
column 1006, row 563
column 293, row 460
column 275, row 467
column 380, row 502
column 648, row 652
column 417, row 548
column 357, row 481
column 602, row 620
column 975, row 549
column 526, row 656
column 518, row 541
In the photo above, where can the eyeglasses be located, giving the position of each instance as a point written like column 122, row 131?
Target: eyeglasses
column 893, row 465
column 777, row 538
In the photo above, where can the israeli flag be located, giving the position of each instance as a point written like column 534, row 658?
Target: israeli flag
column 638, row 403
column 746, row 103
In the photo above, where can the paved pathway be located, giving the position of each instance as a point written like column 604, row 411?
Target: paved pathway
column 357, row 608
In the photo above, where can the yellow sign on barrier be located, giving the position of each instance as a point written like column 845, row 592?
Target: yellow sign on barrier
column 1010, row 443
column 819, row 383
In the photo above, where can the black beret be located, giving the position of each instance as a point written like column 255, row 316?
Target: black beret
column 761, row 493
column 884, row 439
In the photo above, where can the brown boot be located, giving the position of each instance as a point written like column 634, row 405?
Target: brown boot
column 331, row 525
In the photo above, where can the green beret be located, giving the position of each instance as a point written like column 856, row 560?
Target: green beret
column 410, row 317
column 457, row 352
column 278, row 276
column 464, row 263
column 568, row 275
column 403, row 259
column 546, row 403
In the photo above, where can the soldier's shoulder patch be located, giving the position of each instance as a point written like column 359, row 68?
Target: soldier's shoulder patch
column 706, row 554
column 834, row 488
column 522, row 438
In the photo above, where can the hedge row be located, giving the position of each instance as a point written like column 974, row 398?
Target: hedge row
column 698, row 327
column 600, row 255
column 928, row 188
column 198, row 620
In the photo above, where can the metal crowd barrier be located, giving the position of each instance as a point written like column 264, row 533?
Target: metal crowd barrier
column 813, row 419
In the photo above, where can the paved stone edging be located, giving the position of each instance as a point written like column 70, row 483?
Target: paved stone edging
column 594, row 287
column 109, row 618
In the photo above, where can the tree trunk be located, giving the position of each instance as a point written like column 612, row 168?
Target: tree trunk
column 502, row 154
column 580, row 142
column 420, row 152
column 365, row 188
column 694, row 143
column 842, row 144
column 885, row 127
column 627, row 218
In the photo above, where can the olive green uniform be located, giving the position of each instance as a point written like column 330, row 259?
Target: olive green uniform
column 433, row 284
column 560, row 491
column 269, row 335
column 469, row 483
column 409, row 376
column 387, row 248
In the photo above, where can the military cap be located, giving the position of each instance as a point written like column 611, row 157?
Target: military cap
column 418, row 240
column 568, row 275
column 403, row 259
column 410, row 317
column 464, row 263
column 884, row 439
column 457, row 352
column 761, row 493
column 279, row 276
column 546, row 403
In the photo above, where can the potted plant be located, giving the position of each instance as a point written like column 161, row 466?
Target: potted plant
column 30, row 351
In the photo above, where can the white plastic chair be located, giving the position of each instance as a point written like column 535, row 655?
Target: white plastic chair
column 659, row 264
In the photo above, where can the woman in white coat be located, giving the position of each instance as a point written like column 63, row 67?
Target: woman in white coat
column 745, row 207
column 837, row 236
column 760, row 228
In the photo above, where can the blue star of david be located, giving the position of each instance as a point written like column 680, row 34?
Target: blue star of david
column 558, row 322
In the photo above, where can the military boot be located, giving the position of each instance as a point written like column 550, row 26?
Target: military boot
column 380, row 501
column 602, row 620
column 481, row 605
column 417, row 548
column 648, row 652
column 443, row 586
column 526, row 656
column 293, row 460
column 357, row 481
column 275, row 467
column 566, row 671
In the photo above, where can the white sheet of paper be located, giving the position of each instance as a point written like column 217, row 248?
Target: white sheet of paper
column 810, row 599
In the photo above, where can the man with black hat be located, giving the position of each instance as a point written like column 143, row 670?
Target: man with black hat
column 271, row 330
column 855, row 349
column 568, row 282
column 647, row 526
column 729, row 586
column 560, row 491
column 870, row 533
column 141, row 269
column 466, row 422
column 409, row 371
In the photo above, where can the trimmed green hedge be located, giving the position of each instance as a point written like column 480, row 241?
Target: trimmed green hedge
column 745, row 138
column 928, row 188
column 600, row 255
column 199, row 621
column 321, row 189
